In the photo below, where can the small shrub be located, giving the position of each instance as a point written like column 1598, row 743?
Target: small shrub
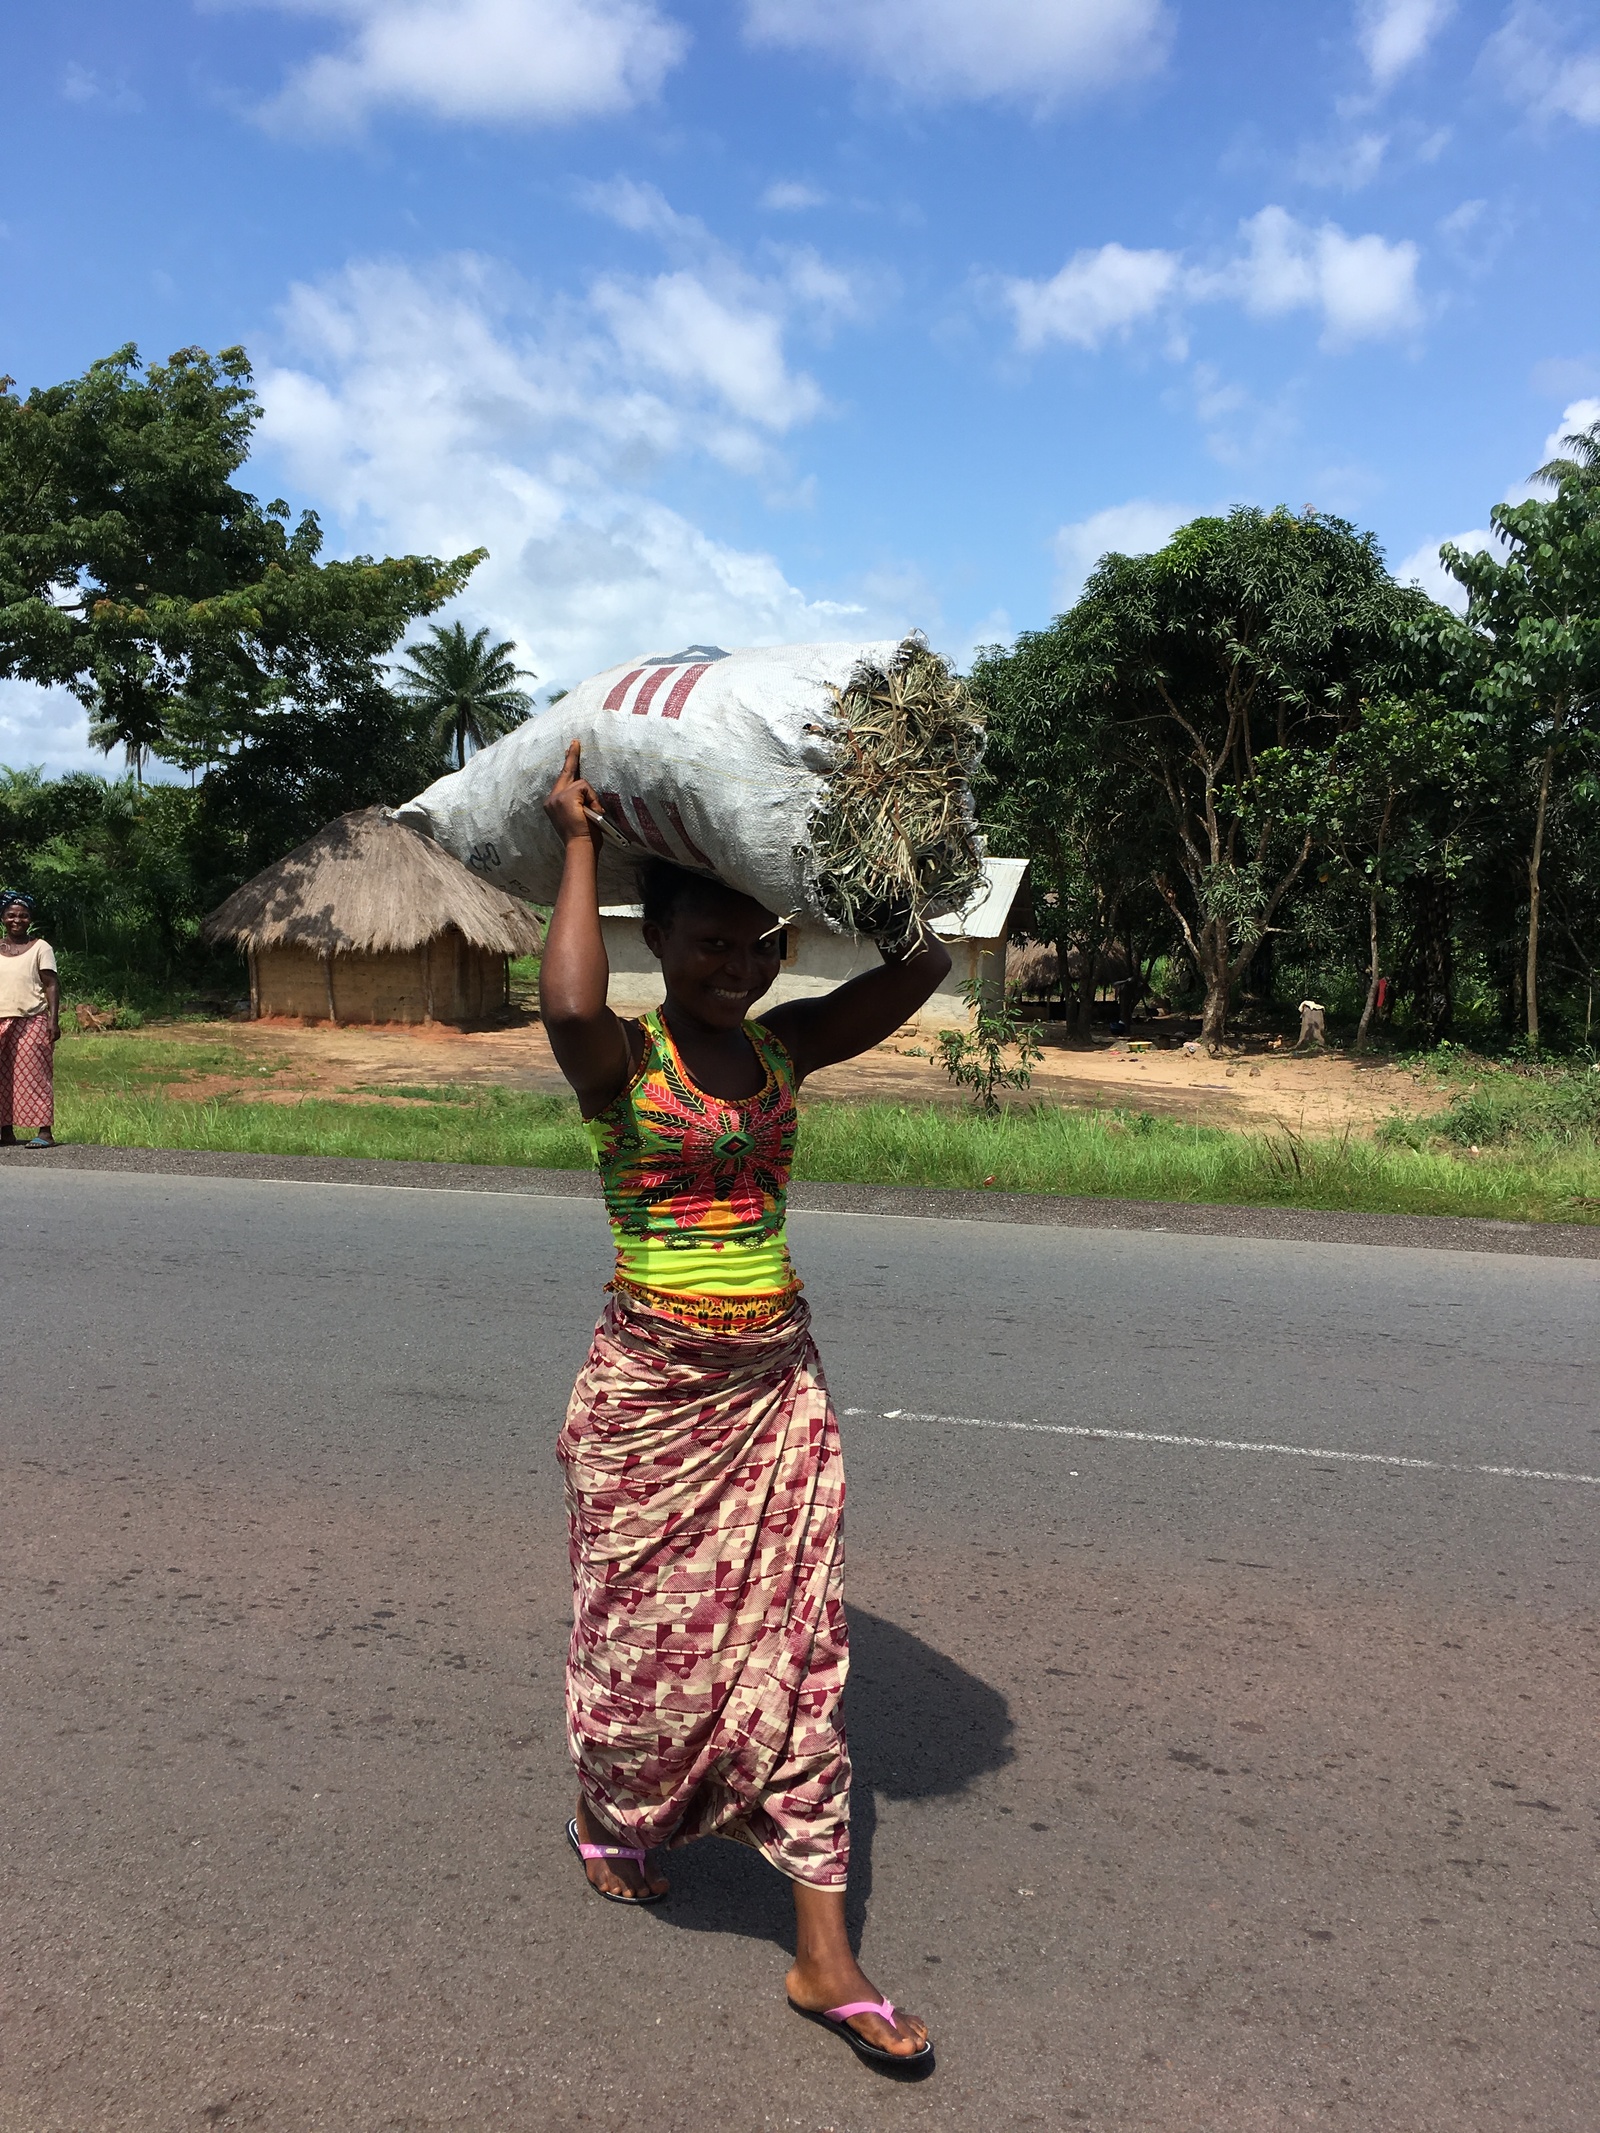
column 975, row 1059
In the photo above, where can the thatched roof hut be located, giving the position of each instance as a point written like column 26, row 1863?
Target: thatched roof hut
column 371, row 921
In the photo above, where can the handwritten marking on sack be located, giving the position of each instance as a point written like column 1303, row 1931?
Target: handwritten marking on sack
column 614, row 700
column 483, row 857
column 641, row 703
column 673, row 707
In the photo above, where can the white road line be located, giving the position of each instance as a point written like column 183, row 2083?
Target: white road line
column 1222, row 1444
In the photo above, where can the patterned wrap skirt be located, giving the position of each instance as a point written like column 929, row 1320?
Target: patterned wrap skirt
column 705, row 1493
column 27, row 1072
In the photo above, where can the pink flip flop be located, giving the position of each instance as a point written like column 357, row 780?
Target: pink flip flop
column 837, row 2019
column 611, row 1851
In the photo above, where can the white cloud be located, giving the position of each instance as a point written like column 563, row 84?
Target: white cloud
column 1577, row 415
column 1095, row 295
column 676, row 328
column 499, row 61
column 451, row 408
column 1531, row 58
column 790, row 196
column 1349, row 164
column 1394, row 34
column 1036, row 52
column 46, row 727
column 1423, row 567
column 1365, row 287
column 710, row 323
column 1134, row 528
column 80, row 86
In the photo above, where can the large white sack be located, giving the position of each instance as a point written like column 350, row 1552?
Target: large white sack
column 715, row 759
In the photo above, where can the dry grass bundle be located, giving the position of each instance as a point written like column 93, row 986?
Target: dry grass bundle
column 894, row 841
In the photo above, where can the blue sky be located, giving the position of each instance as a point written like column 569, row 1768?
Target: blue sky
column 753, row 320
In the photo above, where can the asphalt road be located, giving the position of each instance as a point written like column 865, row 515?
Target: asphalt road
column 1243, row 1781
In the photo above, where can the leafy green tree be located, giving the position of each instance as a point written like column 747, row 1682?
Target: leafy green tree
column 1527, row 657
column 1207, row 686
column 123, row 873
column 1053, row 791
column 177, row 608
column 1373, row 820
column 463, row 688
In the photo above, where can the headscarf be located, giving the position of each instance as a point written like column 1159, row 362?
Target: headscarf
column 16, row 896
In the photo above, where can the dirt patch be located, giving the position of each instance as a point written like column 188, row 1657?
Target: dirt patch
column 1326, row 1093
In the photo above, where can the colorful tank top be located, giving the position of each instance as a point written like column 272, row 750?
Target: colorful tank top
column 697, row 1186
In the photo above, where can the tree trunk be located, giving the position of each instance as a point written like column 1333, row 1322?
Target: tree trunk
column 1535, row 859
column 1372, row 926
column 1370, row 1006
column 1432, row 955
column 1088, row 973
column 1218, row 979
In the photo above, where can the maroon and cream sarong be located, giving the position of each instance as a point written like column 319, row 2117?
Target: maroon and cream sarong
column 27, row 1072
column 705, row 1490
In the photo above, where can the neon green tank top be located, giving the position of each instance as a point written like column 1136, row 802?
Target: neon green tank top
column 697, row 1186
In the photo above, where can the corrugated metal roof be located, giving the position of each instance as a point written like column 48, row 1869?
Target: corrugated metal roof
column 988, row 917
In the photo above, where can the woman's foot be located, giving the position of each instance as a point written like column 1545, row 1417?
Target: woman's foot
column 820, row 1984
column 615, row 1877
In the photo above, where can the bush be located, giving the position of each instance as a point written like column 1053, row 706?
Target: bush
column 1504, row 1106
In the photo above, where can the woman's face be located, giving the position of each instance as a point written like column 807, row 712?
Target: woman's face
column 719, row 953
column 15, row 920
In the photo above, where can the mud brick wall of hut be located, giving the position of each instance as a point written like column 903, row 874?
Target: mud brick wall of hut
column 446, row 980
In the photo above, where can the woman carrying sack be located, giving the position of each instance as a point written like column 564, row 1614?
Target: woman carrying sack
column 30, row 1026
column 704, row 1480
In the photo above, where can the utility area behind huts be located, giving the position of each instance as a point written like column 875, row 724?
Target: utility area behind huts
column 371, row 921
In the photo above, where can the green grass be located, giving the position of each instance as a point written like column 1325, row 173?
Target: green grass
column 540, row 1132
column 109, row 1091
column 124, row 1064
column 1536, row 1107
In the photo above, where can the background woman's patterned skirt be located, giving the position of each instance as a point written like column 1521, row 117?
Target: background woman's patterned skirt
column 705, row 1490
column 27, row 1072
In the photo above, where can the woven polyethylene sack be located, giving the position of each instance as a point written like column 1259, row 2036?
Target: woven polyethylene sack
column 720, row 761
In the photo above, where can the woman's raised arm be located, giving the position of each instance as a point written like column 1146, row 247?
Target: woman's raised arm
column 589, row 1042
column 861, row 1013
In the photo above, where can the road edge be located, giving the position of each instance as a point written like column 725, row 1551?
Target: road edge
column 1284, row 1225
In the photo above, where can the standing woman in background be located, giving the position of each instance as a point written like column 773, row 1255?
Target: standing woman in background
column 30, row 1026
column 704, row 1481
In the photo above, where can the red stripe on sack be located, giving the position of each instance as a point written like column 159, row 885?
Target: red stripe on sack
column 616, row 815
column 680, row 690
column 652, row 835
column 670, row 809
column 641, row 703
column 614, row 701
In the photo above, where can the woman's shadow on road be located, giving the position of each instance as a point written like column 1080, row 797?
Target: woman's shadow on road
column 920, row 1727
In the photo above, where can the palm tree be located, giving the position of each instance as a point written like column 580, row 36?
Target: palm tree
column 465, row 687
column 1584, row 463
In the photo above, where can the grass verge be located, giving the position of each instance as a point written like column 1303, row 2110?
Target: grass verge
column 118, row 1093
